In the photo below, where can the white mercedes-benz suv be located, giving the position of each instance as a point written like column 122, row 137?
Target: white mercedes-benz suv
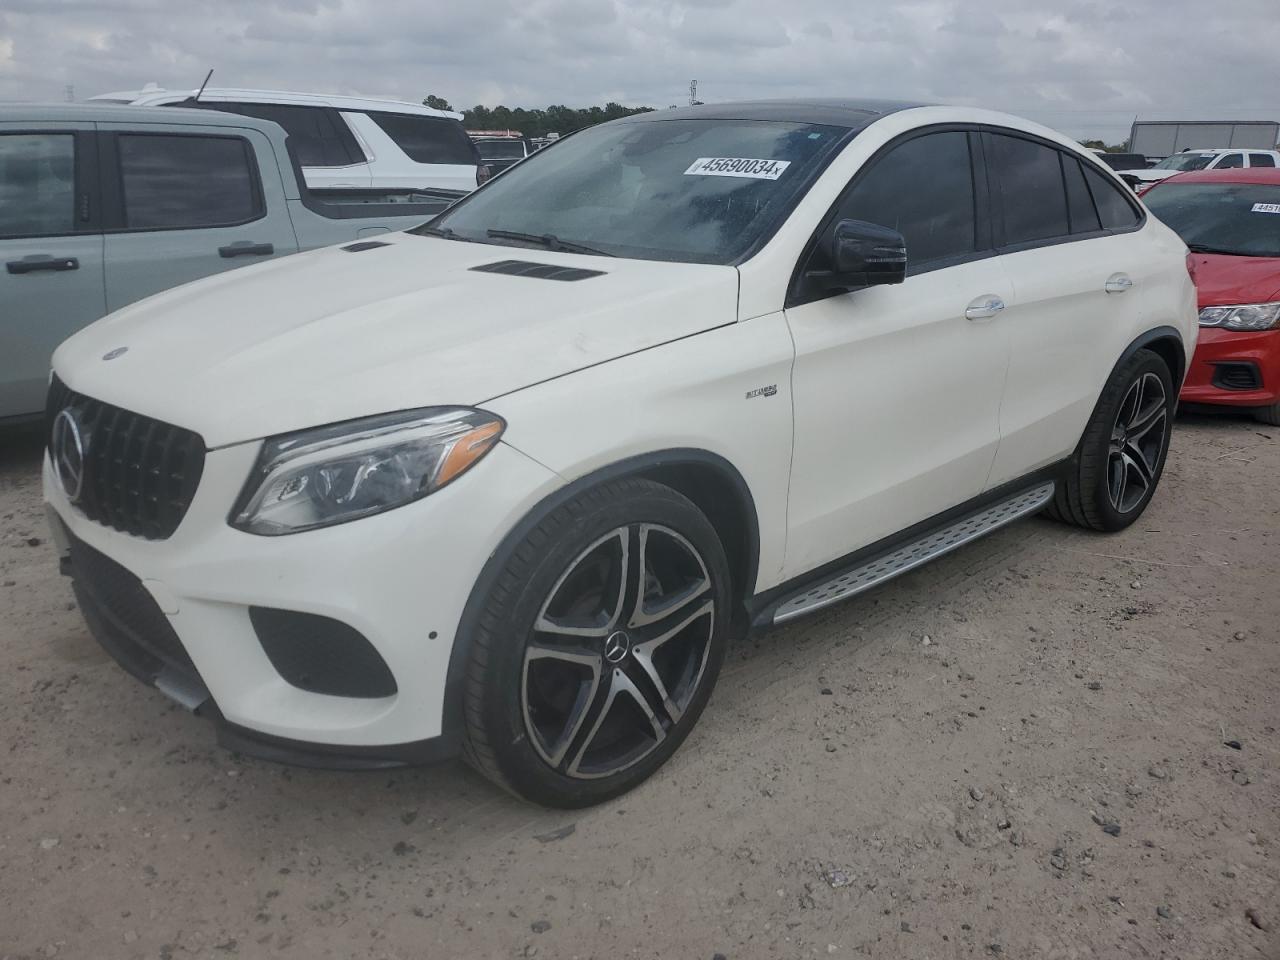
column 507, row 483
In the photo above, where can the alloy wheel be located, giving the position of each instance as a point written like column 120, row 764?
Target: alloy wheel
column 1137, row 443
column 618, row 651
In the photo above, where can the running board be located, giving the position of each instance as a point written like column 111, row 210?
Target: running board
column 868, row 573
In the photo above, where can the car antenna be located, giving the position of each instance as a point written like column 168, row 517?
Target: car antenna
column 196, row 98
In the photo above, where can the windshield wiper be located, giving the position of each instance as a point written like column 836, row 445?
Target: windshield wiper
column 445, row 232
column 1205, row 248
column 547, row 240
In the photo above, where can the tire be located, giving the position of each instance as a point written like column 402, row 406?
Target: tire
column 1269, row 414
column 572, row 695
column 1121, row 456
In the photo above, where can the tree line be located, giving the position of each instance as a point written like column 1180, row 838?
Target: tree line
column 536, row 122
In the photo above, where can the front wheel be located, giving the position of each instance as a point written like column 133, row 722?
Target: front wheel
column 598, row 646
column 1269, row 414
column 1122, row 454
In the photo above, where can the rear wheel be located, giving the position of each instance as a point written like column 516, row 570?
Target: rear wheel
column 1122, row 453
column 598, row 647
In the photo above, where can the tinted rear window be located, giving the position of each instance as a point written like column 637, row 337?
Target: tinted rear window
column 1028, row 178
column 1084, row 218
column 318, row 136
column 187, row 181
column 500, row 149
column 427, row 139
column 1115, row 208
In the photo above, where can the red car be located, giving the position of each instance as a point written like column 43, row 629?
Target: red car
column 1231, row 221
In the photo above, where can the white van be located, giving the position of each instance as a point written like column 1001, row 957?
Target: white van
column 347, row 143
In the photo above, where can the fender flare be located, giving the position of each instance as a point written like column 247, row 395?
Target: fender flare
column 1150, row 336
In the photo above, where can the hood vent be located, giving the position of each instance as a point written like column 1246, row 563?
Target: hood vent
column 365, row 245
column 540, row 271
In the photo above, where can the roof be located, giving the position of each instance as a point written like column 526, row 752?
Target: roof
column 152, row 96
column 840, row 112
column 1205, row 123
column 89, row 112
column 1223, row 150
column 1234, row 175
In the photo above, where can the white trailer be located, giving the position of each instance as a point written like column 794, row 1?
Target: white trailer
column 1157, row 139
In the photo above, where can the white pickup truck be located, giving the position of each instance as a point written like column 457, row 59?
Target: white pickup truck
column 104, row 205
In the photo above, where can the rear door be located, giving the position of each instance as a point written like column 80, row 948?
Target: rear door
column 182, row 202
column 1065, row 233
column 51, row 282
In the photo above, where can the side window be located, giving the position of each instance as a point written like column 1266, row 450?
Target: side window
column 1261, row 160
column 1028, row 178
column 37, row 184
column 922, row 188
column 1229, row 160
column 1080, row 209
column 187, row 181
column 318, row 136
column 1115, row 208
column 427, row 139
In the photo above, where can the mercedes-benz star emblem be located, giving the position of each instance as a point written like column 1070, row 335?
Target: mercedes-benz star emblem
column 616, row 646
column 117, row 352
column 67, row 448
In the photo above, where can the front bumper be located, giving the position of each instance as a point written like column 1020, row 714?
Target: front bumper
column 1222, row 352
column 401, row 579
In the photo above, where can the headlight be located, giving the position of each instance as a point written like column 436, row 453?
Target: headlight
column 1248, row 316
column 342, row 472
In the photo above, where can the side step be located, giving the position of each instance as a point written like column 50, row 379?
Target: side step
column 867, row 573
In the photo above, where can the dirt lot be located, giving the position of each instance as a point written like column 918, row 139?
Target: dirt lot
column 926, row 772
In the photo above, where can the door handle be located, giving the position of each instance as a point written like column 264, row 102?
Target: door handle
column 42, row 261
column 1117, row 283
column 247, row 248
column 984, row 308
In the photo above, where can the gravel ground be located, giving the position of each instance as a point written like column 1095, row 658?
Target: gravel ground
column 1049, row 744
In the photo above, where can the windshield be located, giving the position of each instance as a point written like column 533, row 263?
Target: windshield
column 500, row 149
column 1185, row 161
column 1234, row 218
column 695, row 191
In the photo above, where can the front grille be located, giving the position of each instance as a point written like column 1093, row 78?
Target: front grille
column 1236, row 376
column 124, row 616
column 140, row 474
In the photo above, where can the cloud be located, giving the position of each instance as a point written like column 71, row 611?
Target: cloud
column 1083, row 66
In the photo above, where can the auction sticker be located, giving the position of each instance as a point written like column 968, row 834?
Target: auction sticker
column 1266, row 208
column 737, row 167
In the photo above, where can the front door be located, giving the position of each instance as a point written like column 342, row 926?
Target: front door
column 897, row 388
column 51, row 278
column 184, row 202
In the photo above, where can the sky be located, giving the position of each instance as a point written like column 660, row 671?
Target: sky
column 1083, row 66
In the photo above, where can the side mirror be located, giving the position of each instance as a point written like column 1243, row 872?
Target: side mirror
column 863, row 254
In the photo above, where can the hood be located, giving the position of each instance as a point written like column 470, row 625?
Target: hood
column 1225, row 280
column 331, row 335
column 1149, row 175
